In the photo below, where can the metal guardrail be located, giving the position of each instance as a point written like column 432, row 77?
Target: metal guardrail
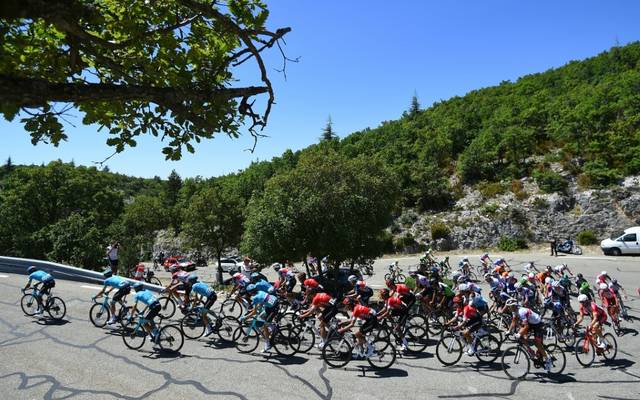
column 15, row 265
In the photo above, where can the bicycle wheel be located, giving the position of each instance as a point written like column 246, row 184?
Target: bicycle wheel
column 436, row 324
column 170, row 338
column 337, row 352
column 134, row 338
column 246, row 339
column 585, row 352
column 226, row 326
column 231, row 308
column 29, row 304
column 558, row 359
column 487, row 349
column 99, row 315
column 124, row 316
column 418, row 320
column 284, row 341
column 387, row 276
column 417, row 338
column 516, row 362
column 472, row 276
column 401, row 278
column 611, row 350
column 384, row 354
column 155, row 281
column 56, row 308
column 306, row 338
column 192, row 325
column 168, row 307
column 449, row 350
column 567, row 336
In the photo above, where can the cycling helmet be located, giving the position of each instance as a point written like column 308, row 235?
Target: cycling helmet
column 485, row 255
column 413, row 272
column 531, row 275
column 603, row 273
column 579, row 275
column 384, row 293
column 549, row 268
column 361, row 284
column 614, row 281
column 137, row 286
column 465, row 259
column 511, row 303
column 237, row 276
column 276, row 267
column 603, row 286
column 455, row 276
column 460, row 264
column 461, row 279
column 193, row 278
column 548, row 280
column 283, row 271
column 487, row 277
column 107, row 273
column 582, row 298
column 251, row 288
column 31, row 270
column 463, row 287
column 352, row 279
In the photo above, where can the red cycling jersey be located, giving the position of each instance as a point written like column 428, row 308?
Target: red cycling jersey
column 394, row 302
column 595, row 309
column 402, row 289
column 469, row 312
column 321, row 299
column 362, row 312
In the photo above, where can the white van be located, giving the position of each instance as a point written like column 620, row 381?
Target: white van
column 623, row 243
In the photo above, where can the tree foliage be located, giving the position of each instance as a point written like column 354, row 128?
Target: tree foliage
column 164, row 70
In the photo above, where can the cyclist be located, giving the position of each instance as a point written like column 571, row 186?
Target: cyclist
column 580, row 280
column 311, row 287
column 486, row 262
column 153, row 307
column 603, row 277
column 112, row 282
column 560, row 270
column 286, row 282
column 210, row 296
column 178, row 282
column 361, row 292
column 530, row 268
column 609, row 301
column 470, row 320
column 530, row 322
column 256, row 277
column 395, row 307
column 328, row 306
column 366, row 314
column 45, row 280
column 501, row 267
column 598, row 318
column 265, row 306
column 618, row 289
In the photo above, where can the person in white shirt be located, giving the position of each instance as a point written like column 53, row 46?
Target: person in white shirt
column 112, row 256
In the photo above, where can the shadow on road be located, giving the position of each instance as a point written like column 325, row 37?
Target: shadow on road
column 44, row 321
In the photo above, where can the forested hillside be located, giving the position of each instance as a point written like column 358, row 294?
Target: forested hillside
column 584, row 116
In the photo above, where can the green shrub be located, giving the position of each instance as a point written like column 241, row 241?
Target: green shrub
column 490, row 189
column 439, row 230
column 404, row 241
column 489, row 209
column 550, row 181
column 506, row 243
column 518, row 190
column 540, row 203
column 600, row 175
column 587, row 237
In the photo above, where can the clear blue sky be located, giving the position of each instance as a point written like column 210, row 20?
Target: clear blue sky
column 361, row 62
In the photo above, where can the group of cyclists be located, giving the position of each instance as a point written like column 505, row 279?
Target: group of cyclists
column 437, row 299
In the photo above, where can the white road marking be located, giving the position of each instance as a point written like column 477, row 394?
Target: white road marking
column 4, row 276
column 91, row 287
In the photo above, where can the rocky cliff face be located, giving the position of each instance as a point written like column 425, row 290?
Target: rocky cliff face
column 476, row 221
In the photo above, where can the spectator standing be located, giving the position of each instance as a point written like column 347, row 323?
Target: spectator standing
column 554, row 246
column 246, row 267
column 112, row 256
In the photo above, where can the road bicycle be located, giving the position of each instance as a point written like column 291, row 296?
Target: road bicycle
column 450, row 347
column 559, row 330
column 32, row 300
column 169, row 338
column 395, row 273
column 193, row 326
column 337, row 352
column 414, row 331
column 100, row 312
column 234, row 306
column 517, row 359
column 283, row 340
column 586, row 348
column 169, row 301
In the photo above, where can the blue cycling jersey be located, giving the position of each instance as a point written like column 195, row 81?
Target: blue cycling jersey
column 147, row 297
column 40, row 276
column 265, row 286
column 116, row 282
column 264, row 299
column 203, row 289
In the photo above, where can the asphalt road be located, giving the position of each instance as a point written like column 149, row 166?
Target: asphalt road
column 76, row 360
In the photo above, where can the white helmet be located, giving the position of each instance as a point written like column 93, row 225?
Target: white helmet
column 603, row 273
column 582, row 298
column 511, row 303
column 463, row 287
column 604, row 286
column 532, row 275
column 352, row 279
column 465, row 259
column 548, row 280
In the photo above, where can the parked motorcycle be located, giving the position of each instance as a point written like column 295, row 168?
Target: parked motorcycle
column 568, row 247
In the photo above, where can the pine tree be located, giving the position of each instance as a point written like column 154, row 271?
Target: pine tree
column 327, row 133
column 415, row 105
